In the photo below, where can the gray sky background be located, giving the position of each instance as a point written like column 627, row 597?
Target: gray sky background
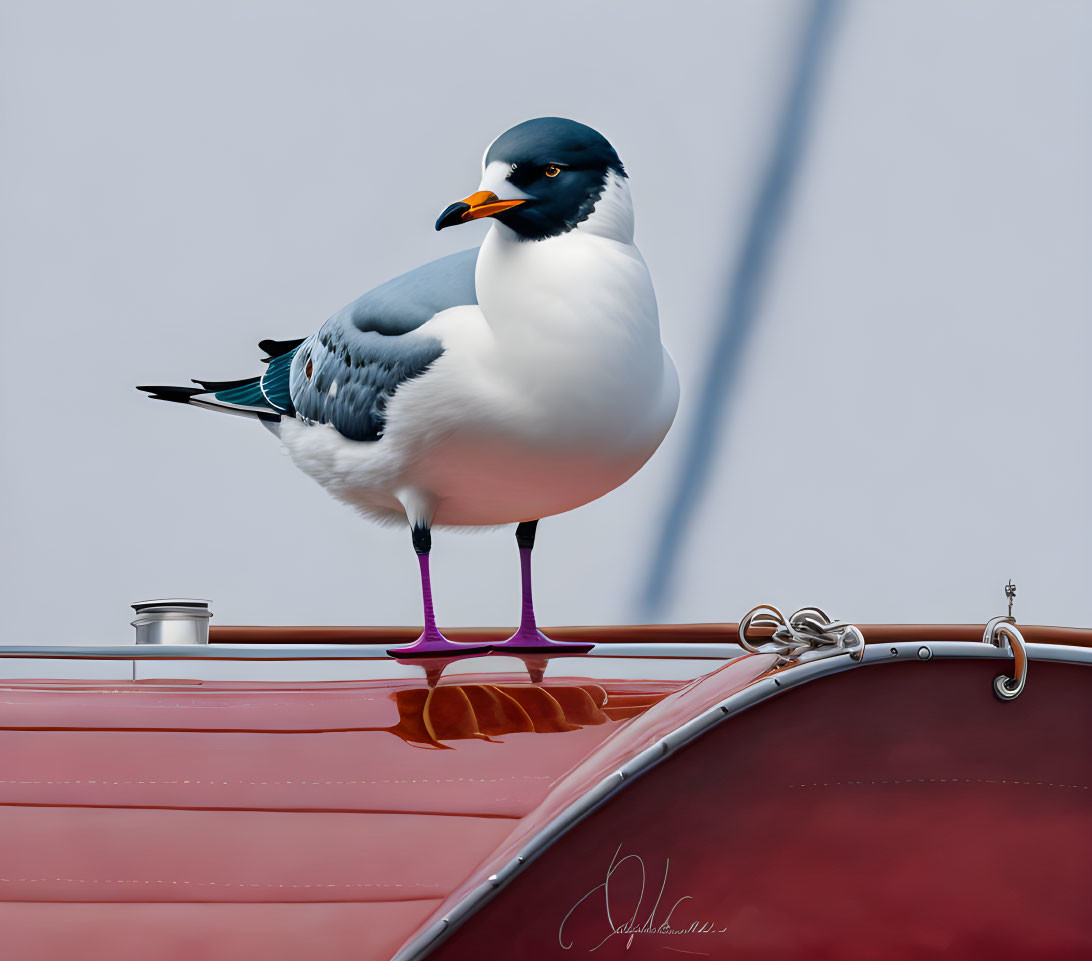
column 181, row 180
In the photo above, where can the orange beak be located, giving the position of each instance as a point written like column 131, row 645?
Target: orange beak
column 483, row 203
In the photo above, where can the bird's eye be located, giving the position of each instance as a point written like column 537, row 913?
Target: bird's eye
column 552, row 170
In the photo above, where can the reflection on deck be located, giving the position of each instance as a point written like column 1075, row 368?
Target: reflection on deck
column 458, row 711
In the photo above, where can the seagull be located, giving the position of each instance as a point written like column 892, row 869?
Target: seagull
column 503, row 384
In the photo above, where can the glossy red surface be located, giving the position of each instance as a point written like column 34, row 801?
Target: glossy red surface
column 207, row 820
column 892, row 812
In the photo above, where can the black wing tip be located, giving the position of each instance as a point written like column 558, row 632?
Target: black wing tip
column 278, row 348
column 180, row 395
column 214, row 385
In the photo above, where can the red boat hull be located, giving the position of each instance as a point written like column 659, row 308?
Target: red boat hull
column 905, row 814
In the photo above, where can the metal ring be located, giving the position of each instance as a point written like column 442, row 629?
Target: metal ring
column 802, row 616
column 1009, row 688
column 857, row 653
column 809, row 631
column 766, row 616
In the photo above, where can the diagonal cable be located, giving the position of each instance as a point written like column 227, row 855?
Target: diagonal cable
column 749, row 277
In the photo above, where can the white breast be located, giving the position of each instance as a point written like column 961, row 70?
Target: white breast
column 576, row 326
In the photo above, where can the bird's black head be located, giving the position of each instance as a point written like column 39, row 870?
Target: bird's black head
column 541, row 178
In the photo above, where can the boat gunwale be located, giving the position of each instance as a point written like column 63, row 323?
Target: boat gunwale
column 689, row 641
column 645, row 634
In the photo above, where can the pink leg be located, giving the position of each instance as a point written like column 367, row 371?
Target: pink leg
column 529, row 638
column 431, row 643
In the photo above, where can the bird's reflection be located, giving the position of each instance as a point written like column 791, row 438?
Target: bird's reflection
column 429, row 716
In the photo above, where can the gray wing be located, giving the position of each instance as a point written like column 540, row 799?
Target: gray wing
column 345, row 374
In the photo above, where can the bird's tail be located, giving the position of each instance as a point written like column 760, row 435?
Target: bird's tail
column 208, row 397
column 265, row 397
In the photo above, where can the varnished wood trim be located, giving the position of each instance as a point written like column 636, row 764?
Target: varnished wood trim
column 625, row 634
